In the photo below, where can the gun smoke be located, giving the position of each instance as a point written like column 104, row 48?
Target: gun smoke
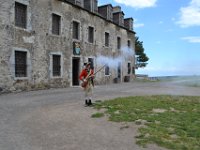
column 113, row 62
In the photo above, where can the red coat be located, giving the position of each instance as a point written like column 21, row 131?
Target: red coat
column 84, row 74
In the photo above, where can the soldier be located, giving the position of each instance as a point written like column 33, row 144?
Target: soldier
column 87, row 76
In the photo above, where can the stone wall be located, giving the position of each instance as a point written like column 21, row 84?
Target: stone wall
column 39, row 43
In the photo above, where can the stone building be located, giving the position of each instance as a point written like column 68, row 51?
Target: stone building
column 44, row 43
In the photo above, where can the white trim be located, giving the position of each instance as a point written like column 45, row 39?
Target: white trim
column 28, row 61
column 25, row 2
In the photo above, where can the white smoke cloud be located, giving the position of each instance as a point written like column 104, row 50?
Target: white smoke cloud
column 126, row 52
column 110, row 61
column 138, row 3
column 113, row 62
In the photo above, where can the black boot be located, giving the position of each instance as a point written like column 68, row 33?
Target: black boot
column 90, row 102
column 86, row 102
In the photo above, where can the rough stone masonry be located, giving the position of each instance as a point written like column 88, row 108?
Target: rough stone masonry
column 37, row 44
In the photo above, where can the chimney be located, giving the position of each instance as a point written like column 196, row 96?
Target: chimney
column 106, row 11
column 76, row 2
column 128, row 23
column 91, row 5
column 116, row 9
column 118, row 18
column 79, row 2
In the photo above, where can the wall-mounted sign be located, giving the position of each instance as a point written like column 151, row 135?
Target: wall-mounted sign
column 76, row 48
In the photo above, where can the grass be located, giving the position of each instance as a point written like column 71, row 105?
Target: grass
column 172, row 122
column 97, row 115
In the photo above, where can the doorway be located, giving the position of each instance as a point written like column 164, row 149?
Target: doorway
column 75, row 71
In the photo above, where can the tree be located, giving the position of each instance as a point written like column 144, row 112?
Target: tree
column 141, row 57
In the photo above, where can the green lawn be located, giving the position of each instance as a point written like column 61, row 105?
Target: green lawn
column 172, row 122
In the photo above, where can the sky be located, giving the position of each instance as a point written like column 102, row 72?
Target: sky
column 170, row 32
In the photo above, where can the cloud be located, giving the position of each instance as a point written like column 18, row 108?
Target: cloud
column 173, row 19
column 169, row 30
column 190, row 15
column 138, row 3
column 192, row 39
column 158, row 42
column 138, row 25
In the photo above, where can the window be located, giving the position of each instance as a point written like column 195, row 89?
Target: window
column 91, row 34
column 20, row 15
column 75, row 30
column 118, row 43
column 107, row 70
column 91, row 60
column 106, row 39
column 95, row 5
column 78, row 3
column 20, row 64
column 56, row 65
column 128, row 43
column 56, row 24
column 129, row 68
column 119, row 70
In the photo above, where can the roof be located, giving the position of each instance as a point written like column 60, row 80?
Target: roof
column 98, row 15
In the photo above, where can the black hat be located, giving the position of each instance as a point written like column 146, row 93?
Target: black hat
column 87, row 64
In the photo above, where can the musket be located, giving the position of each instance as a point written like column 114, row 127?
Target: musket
column 100, row 69
column 83, row 84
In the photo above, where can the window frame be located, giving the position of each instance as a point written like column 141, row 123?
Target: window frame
column 76, row 27
column 107, row 70
column 28, row 63
column 107, row 39
column 129, row 68
column 56, row 24
column 51, row 66
column 19, row 18
column 91, row 34
column 20, row 61
column 129, row 44
column 118, row 43
column 56, row 68
column 91, row 60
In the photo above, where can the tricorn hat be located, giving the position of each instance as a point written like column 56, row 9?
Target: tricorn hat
column 87, row 64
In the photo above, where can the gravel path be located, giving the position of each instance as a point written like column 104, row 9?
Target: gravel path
column 56, row 119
